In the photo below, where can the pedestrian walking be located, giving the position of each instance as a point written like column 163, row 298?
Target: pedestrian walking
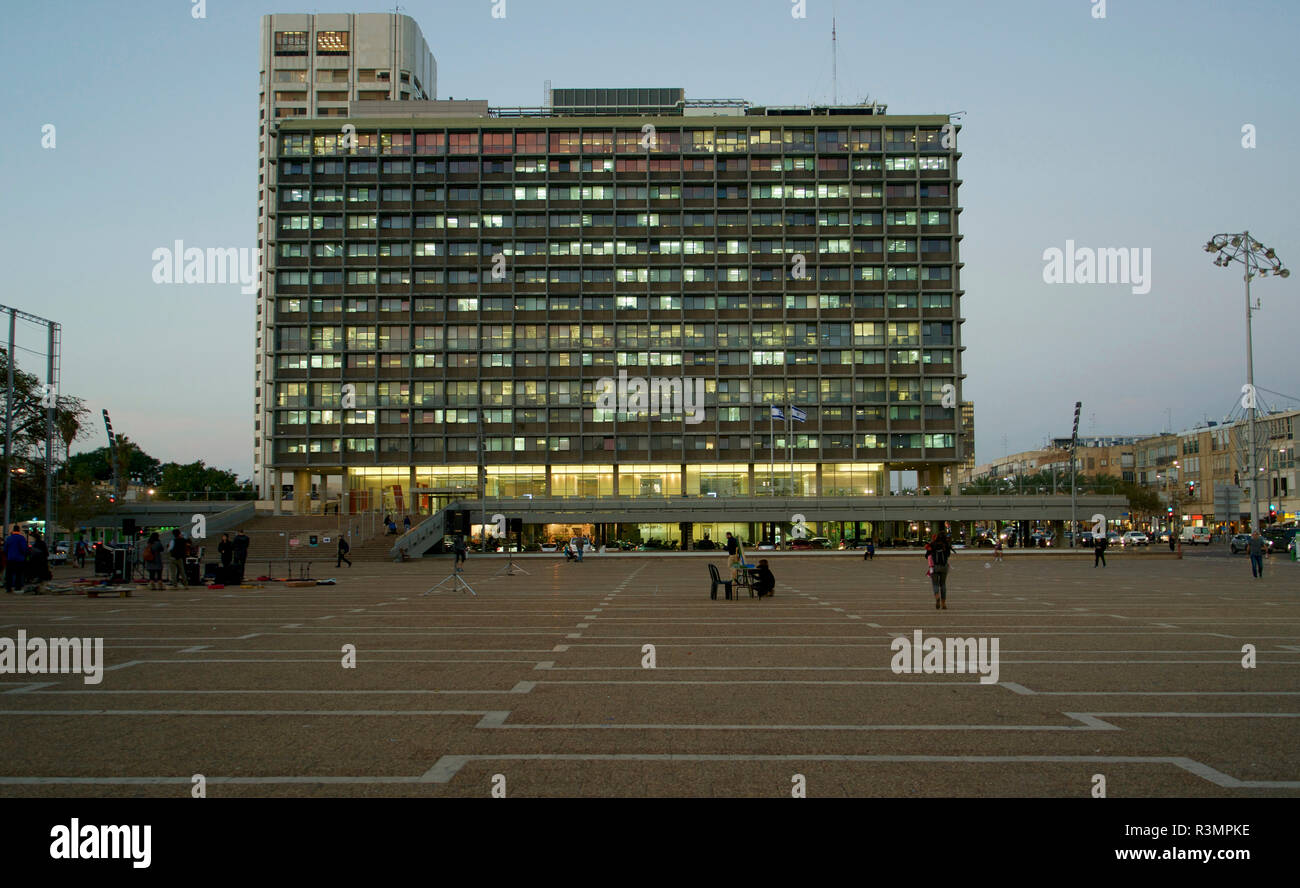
column 997, row 549
column 732, row 545
column 153, row 560
column 1099, row 544
column 80, row 551
column 344, row 549
column 1256, row 548
column 16, row 550
column 176, row 558
column 938, row 552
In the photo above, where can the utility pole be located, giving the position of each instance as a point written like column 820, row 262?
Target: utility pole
column 1074, row 489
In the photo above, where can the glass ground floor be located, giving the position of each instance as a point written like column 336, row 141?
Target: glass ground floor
column 425, row 489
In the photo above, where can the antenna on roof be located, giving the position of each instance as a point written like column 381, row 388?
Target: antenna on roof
column 835, row 87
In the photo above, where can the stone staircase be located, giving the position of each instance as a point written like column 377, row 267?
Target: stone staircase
column 271, row 537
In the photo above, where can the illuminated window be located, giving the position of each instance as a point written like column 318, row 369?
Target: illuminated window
column 290, row 42
column 331, row 42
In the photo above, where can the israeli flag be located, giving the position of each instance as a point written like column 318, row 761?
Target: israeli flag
column 776, row 413
column 797, row 415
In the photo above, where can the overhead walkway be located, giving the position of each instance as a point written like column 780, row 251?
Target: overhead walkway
column 611, row 510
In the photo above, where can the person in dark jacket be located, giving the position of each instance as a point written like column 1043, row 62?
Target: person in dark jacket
column 732, row 545
column 16, row 550
column 153, row 560
column 38, row 560
column 344, row 549
column 764, row 581
column 938, row 552
column 176, row 553
column 226, row 549
column 1100, row 542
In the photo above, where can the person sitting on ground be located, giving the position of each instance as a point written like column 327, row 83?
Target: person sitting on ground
column 764, row 581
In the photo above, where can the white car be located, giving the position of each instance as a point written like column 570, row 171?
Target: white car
column 1136, row 538
column 550, row 547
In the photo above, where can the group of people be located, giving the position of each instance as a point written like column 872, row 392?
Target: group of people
column 173, row 553
column 390, row 524
column 26, row 559
column 760, row 578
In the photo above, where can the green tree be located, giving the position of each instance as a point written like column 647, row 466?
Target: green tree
column 197, row 477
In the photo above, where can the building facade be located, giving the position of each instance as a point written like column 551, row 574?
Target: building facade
column 1204, row 472
column 316, row 66
column 608, row 297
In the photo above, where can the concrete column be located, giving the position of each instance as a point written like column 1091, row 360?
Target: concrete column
column 274, row 492
column 302, row 492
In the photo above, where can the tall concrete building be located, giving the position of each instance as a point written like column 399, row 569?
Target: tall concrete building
column 466, row 300
column 315, row 66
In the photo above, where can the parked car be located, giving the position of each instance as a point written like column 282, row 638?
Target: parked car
column 1113, row 539
column 811, row 543
column 550, row 547
column 1086, row 540
column 1241, row 543
column 1136, row 538
column 1281, row 539
column 59, row 555
column 1196, row 536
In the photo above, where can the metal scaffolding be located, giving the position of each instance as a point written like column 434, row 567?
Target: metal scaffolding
column 49, row 400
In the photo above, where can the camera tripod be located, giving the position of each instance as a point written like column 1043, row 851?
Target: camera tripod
column 510, row 568
column 455, row 579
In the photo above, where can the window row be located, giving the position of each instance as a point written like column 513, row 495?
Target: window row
column 286, row 305
column 647, row 140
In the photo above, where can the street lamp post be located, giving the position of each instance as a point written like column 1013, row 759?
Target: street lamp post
column 1258, row 260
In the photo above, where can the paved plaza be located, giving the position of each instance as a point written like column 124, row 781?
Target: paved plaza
column 540, row 683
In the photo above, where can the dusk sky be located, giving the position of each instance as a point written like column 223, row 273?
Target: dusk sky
column 1123, row 131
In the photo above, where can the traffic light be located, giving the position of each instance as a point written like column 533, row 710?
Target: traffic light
column 1169, row 510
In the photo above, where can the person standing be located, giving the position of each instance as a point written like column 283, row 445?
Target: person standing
column 239, row 558
column 15, row 560
column 576, row 543
column 38, row 560
column 1099, row 544
column 939, row 551
column 458, row 546
column 1256, row 548
column 80, row 551
column 226, row 549
column 344, row 549
column 406, row 524
column 732, row 545
column 176, row 558
column 153, row 560
column 997, row 549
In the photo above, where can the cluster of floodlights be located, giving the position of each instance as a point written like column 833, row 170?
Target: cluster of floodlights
column 1258, row 259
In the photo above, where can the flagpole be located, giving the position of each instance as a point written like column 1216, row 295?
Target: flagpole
column 771, row 446
column 789, row 442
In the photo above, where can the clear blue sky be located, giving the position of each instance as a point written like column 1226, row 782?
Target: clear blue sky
column 1121, row 132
